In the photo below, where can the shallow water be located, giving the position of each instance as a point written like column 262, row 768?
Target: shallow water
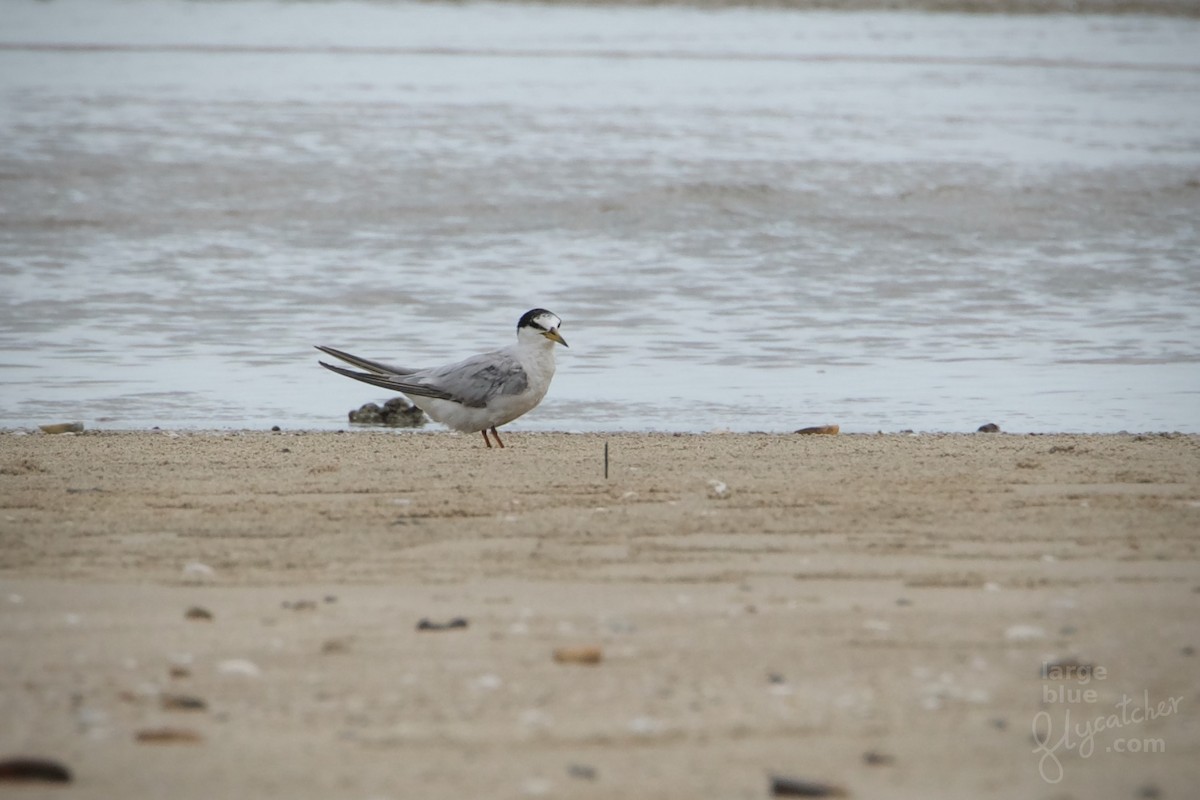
column 748, row 219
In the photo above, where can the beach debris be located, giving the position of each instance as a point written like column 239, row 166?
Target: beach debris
column 395, row 413
column 1024, row 633
column 1187, row 650
column 199, row 614
column 300, row 605
column 330, row 598
column 168, row 736
column 584, row 772
column 178, row 671
column 62, row 427
column 239, row 666
column 198, row 571
column 784, row 786
column 579, row 654
column 276, row 429
column 182, row 702
column 874, row 758
column 826, row 430
column 335, row 646
column 988, row 427
column 718, row 489
column 24, row 769
column 449, row 625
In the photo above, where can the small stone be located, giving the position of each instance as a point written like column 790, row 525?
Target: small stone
column 782, row 786
column 1187, row 650
column 168, row 736
column 988, row 427
column 821, row 430
column 196, row 571
column 300, row 605
column 182, row 702
column 199, row 614
column 275, row 429
column 33, row 770
column 583, row 654
column 1024, row 633
column 335, row 646
column 584, row 772
column 239, row 666
column 449, row 625
column 875, row 758
column 63, row 427
column 718, row 489
column 178, row 672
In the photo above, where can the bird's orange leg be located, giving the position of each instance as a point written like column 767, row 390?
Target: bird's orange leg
column 486, row 440
column 496, row 433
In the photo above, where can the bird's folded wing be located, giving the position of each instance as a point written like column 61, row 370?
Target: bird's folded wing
column 396, row 383
column 376, row 367
column 480, row 378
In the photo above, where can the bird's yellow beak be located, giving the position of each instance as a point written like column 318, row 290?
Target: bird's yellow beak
column 553, row 336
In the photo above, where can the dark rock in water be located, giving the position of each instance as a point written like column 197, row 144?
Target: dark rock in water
column 33, row 770
column 796, row 787
column 396, row 413
column 989, row 427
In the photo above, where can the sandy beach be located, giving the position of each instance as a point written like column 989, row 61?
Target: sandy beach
column 888, row 615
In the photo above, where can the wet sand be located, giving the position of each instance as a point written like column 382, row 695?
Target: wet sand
column 828, row 598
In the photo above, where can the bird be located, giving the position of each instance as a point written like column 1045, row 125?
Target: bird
column 478, row 393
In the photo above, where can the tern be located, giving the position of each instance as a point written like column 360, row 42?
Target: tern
column 479, row 393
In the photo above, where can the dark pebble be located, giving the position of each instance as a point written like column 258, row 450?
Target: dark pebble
column 33, row 770
column 182, row 702
column 903, row 601
column 429, row 625
column 300, row 605
column 796, row 787
column 1188, row 650
column 167, row 736
column 989, row 427
column 877, row 759
column 198, row 613
column 329, row 598
column 583, row 772
column 335, row 646
column 275, row 429
column 1149, row 790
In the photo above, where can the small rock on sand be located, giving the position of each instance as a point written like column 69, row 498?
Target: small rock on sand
column 63, row 427
column 584, row 654
column 168, row 736
column 827, row 430
column 33, row 770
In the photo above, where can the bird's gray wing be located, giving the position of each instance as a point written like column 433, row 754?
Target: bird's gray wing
column 471, row 382
column 395, row 383
column 478, row 379
column 376, row 367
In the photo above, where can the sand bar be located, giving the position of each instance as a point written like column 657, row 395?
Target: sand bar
column 764, row 605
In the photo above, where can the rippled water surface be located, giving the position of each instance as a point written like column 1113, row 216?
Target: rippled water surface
column 748, row 219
